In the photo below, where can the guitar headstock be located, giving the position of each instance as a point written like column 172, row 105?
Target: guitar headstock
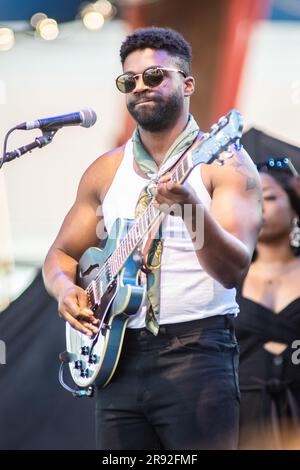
column 227, row 131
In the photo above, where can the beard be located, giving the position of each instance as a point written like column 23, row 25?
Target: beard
column 159, row 114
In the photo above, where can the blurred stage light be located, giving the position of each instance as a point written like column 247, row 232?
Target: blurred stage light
column 37, row 18
column 93, row 20
column 94, row 14
column 7, row 39
column 48, row 29
column 105, row 8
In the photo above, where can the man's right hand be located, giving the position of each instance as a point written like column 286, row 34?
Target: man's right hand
column 73, row 306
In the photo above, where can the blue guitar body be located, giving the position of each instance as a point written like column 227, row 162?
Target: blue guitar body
column 94, row 360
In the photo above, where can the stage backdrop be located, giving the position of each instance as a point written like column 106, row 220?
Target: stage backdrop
column 35, row 411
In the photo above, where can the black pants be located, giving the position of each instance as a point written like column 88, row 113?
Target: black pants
column 178, row 390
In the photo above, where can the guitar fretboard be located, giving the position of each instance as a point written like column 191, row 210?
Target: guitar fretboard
column 144, row 222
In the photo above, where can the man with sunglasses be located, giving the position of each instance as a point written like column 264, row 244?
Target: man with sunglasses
column 175, row 386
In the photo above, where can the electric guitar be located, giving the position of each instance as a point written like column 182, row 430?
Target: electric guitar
column 111, row 276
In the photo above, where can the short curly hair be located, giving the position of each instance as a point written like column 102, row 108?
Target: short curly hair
column 166, row 39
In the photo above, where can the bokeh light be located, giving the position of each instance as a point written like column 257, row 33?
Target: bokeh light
column 37, row 18
column 7, row 39
column 93, row 20
column 48, row 29
column 94, row 14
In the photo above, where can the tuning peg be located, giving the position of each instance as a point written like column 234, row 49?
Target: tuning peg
column 222, row 121
column 205, row 136
column 214, row 127
column 237, row 144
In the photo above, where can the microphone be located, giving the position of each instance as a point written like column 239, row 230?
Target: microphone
column 86, row 118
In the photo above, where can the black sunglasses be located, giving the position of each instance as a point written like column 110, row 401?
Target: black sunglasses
column 152, row 77
column 278, row 164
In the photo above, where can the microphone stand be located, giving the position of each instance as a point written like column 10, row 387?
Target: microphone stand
column 39, row 142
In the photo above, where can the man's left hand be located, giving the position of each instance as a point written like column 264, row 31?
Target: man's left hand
column 169, row 193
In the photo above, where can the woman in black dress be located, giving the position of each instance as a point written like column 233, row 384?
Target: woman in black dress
column 268, row 326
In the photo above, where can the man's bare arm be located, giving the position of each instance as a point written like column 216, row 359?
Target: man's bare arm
column 231, row 225
column 78, row 233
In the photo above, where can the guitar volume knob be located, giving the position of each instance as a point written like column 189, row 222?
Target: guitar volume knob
column 93, row 359
column 85, row 373
column 85, row 350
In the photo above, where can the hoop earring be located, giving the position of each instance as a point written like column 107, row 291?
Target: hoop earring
column 295, row 234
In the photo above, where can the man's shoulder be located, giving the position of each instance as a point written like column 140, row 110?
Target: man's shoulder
column 111, row 158
column 105, row 163
column 237, row 169
column 99, row 175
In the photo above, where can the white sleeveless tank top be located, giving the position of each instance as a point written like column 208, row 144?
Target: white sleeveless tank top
column 187, row 291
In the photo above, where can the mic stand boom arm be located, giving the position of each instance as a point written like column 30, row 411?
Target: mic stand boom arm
column 40, row 141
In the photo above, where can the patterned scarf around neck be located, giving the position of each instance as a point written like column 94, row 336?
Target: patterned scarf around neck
column 148, row 166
